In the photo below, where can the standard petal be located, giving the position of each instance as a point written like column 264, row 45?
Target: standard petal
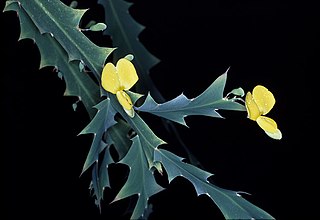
column 252, row 108
column 109, row 78
column 263, row 98
column 127, row 73
column 267, row 124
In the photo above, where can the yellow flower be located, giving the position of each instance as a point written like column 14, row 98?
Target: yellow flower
column 118, row 79
column 258, row 104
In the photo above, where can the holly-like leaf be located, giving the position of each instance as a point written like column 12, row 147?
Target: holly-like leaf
column 119, row 134
column 141, row 180
column 231, row 203
column 100, row 176
column 103, row 120
column 62, row 22
column 124, row 31
column 149, row 141
column 78, row 83
column 205, row 104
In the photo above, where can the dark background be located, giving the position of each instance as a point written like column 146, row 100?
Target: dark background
column 273, row 43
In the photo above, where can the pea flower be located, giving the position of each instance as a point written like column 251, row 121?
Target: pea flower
column 258, row 104
column 118, row 79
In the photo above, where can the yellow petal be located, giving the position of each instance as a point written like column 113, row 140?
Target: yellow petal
column 109, row 78
column 263, row 98
column 124, row 99
column 267, row 124
column 127, row 73
column 275, row 135
column 252, row 108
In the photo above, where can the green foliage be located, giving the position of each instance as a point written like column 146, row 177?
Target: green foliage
column 78, row 83
column 141, row 180
column 103, row 120
column 205, row 104
column 124, row 31
column 232, row 205
column 55, row 29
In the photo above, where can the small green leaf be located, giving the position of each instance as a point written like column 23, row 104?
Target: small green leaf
column 238, row 92
column 81, row 67
column 129, row 57
column 98, row 27
column 73, row 4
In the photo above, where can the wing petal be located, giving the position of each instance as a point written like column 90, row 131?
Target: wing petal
column 252, row 108
column 109, row 78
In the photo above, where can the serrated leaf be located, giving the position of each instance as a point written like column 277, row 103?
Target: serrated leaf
column 119, row 136
column 205, row 104
column 78, row 83
column 148, row 139
column 140, row 180
column 100, row 176
column 103, row 120
column 62, row 22
column 231, row 203
column 134, row 96
column 124, row 31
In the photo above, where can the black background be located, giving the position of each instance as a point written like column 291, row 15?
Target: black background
column 273, row 43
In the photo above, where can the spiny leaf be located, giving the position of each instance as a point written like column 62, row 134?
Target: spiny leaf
column 148, row 139
column 62, row 22
column 205, row 104
column 124, row 31
column 78, row 83
column 103, row 120
column 231, row 204
column 119, row 134
column 140, row 180
column 100, row 176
